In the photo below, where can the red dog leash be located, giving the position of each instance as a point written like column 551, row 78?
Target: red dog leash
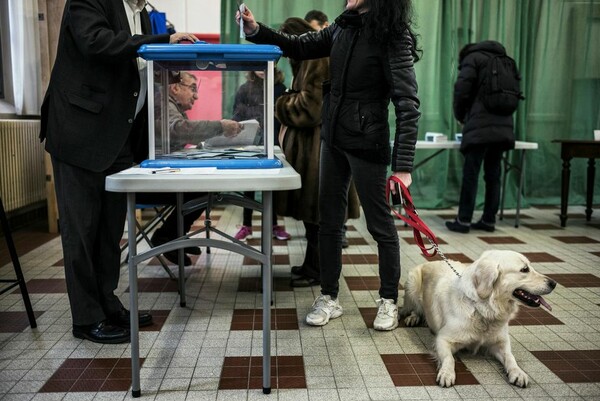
column 412, row 218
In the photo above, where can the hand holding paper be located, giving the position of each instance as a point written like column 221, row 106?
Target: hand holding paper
column 249, row 129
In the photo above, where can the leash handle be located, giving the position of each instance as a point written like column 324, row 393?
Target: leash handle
column 412, row 218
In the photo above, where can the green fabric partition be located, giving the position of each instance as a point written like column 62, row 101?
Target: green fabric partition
column 556, row 46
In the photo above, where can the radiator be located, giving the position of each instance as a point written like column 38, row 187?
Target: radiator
column 22, row 171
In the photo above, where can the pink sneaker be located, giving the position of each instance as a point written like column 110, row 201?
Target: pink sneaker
column 244, row 233
column 280, row 233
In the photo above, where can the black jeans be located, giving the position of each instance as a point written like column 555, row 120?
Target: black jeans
column 492, row 169
column 337, row 168
column 311, row 263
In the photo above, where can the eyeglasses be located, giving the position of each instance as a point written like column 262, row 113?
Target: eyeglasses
column 193, row 87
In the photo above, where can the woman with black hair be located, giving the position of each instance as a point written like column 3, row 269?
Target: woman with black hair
column 372, row 50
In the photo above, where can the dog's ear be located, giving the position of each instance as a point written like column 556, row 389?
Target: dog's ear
column 485, row 276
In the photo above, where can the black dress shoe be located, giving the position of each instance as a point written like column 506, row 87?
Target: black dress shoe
column 482, row 225
column 102, row 332
column 173, row 257
column 122, row 319
column 298, row 270
column 457, row 227
column 192, row 250
column 304, row 281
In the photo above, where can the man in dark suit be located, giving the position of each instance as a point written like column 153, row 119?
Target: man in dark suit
column 94, row 121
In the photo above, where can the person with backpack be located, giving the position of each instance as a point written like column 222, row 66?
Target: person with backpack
column 486, row 94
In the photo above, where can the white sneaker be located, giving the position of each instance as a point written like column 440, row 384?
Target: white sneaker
column 323, row 309
column 387, row 315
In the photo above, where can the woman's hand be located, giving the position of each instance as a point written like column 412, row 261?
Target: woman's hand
column 250, row 24
column 405, row 177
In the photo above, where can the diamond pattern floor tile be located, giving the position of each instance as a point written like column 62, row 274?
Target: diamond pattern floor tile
column 501, row 240
column 251, row 319
column 576, row 280
column 246, row 373
column 577, row 239
column 90, row 375
column 421, row 370
column 15, row 322
column 572, row 366
column 45, row 286
column 254, row 284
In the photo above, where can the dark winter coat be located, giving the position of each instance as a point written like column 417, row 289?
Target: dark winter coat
column 300, row 111
column 89, row 107
column 364, row 78
column 480, row 126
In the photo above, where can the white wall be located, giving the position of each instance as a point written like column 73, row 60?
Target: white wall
column 197, row 16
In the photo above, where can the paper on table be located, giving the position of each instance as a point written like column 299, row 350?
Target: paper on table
column 246, row 137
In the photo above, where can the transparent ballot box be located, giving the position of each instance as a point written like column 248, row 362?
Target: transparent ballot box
column 211, row 105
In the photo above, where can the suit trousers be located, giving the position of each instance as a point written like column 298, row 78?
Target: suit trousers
column 91, row 225
column 491, row 158
column 337, row 168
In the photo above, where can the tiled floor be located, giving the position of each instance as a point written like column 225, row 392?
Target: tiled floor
column 211, row 349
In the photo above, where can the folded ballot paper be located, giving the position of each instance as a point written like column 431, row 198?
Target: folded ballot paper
column 246, row 137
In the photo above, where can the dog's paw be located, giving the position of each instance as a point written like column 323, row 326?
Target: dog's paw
column 517, row 377
column 446, row 378
column 412, row 320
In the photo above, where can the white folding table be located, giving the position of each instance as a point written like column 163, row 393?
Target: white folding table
column 520, row 168
column 264, row 180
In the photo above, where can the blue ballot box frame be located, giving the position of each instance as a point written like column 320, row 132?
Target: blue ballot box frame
column 162, row 58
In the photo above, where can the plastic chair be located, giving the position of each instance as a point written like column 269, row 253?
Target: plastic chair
column 144, row 230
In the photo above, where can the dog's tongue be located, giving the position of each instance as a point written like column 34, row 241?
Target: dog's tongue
column 544, row 303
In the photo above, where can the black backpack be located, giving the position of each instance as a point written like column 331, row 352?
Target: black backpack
column 500, row 88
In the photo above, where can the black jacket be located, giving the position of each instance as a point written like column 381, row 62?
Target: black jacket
column 89, row 107
column 480, row 126
column 364, row 78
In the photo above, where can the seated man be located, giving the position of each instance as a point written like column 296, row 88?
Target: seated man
column 183, row 131
column 182, row 96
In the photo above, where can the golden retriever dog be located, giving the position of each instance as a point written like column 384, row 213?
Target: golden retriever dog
column 472, row 311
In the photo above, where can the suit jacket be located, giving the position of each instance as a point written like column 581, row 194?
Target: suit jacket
column 89, row 108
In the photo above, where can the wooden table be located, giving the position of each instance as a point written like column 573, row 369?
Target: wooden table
column 571, row 148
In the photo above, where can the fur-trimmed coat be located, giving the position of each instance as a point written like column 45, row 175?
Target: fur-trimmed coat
column 300, row 111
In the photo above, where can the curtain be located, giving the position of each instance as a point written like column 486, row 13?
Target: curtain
column 25, row 56
column 555, row 44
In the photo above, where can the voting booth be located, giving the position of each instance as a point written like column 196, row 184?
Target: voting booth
column 180, row 74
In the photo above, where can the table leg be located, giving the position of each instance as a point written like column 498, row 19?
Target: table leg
column 564, row 190
column 180, row 251
column 591, row 173
column 133, row 297
column 521, row 169
column 416, row 166
column 14, row 256
column 505, row 170
column 267, row 280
